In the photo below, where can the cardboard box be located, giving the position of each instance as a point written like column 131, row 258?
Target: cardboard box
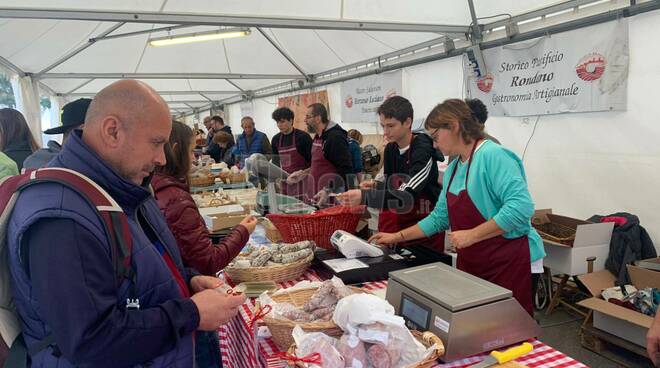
column 616, row 320
column 649, row 264
column 223, row 217
column 591, row 240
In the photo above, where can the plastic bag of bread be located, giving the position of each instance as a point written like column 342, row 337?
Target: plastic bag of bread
column 353, row 351
column 317, row 342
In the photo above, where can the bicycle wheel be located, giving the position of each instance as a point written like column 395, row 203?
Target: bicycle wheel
column 542, row 296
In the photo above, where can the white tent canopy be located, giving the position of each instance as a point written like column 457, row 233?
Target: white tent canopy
column 577, row 164
column 75, row 48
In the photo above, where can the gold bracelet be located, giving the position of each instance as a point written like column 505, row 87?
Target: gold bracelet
column 401, row 235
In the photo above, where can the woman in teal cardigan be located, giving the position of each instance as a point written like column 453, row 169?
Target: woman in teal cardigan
column 484, row 201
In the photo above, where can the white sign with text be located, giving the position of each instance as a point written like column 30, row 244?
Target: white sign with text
column 576, row 71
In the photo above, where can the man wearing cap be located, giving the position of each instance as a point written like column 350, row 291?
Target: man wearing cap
column 73, row 117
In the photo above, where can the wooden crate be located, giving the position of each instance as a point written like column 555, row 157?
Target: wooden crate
column 600, row 342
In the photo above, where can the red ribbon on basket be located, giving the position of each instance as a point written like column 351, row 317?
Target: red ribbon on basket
column 311, row 358
column 261, row 313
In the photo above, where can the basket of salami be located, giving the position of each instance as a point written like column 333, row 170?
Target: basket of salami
column 372, row 336
column 317, row 226
column 374, row 353
column 309, row 308
column 278, row 262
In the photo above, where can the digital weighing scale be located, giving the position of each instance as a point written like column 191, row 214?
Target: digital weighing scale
column 469, row 314
column 356, row 261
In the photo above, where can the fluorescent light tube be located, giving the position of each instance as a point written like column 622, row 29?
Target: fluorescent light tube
column 199, row 37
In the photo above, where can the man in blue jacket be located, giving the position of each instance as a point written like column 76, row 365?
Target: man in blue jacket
column 251, row 141
column 62, row 277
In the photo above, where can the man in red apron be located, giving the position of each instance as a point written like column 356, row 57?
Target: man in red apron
column 331, row 169
column 292, row 150
column 411, row 188
column 502, row 261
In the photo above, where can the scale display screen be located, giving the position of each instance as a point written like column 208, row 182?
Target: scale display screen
column 416, row 313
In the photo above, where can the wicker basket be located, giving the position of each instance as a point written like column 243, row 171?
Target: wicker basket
column 427, row 339
column 555, row 232
column 232, row 177
column 204, row 181
column 281, row 329
column 317, row 226
column 277, row 273
column 237, row 178
column 273, row 234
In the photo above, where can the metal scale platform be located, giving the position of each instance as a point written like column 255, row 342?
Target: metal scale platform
column 469, row 314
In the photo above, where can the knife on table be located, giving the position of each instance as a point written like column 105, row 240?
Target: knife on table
column 501, row 357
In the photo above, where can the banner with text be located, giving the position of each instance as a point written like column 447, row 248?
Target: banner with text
column 298, row 104
column 576, row 71
column 361, row 97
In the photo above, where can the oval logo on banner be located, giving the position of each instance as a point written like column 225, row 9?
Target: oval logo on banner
column 349, row 101
column 485, row 84
column 591, row 67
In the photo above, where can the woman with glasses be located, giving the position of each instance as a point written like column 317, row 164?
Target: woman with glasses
column 484, row 201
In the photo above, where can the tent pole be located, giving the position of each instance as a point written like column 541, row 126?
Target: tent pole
column 235, row 85
column 474, row 26
column 136, row 33
column 78, row 50
column 284, row 53
column 553, row 29
column 227, row 20
column 11, row 66
column 79, row 87
column 167, row 93
column 166, row 76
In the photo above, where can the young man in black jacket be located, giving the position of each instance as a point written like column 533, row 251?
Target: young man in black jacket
column 411, row 186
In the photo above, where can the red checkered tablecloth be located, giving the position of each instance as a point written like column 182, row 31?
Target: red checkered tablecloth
column 236, row 343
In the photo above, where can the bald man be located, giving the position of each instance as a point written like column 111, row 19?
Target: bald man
column 73, row 312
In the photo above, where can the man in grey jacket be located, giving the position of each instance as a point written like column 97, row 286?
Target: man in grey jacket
column 73, row 117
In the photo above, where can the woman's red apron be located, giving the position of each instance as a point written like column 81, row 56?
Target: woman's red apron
column 391, row 221
column 290, row 161
column 322, row 171
column 502, row 261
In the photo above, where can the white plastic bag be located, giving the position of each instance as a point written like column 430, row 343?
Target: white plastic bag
column 372, row 319
column 317, row 342
column 278, row 309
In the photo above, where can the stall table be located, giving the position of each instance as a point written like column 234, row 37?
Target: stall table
column 236, row 342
